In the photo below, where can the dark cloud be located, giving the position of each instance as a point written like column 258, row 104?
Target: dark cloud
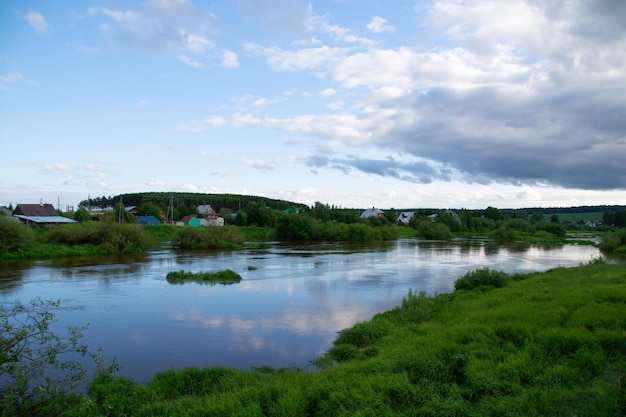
column 573, row 139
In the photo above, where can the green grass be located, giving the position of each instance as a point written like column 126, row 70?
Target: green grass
column 549, row 343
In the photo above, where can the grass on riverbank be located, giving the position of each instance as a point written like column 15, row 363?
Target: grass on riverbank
column 549, row 343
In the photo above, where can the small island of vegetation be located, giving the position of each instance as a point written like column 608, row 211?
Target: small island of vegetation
column 220, row 277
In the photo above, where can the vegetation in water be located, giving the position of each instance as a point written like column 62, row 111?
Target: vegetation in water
column 223, row 277
column 539, row 344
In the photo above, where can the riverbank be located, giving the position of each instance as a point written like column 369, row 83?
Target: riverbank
column 550, row 343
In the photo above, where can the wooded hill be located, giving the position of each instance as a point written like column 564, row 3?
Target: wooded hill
column 234, row 202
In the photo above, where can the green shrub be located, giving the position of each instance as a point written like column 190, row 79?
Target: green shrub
column 613, row 240
column 39, row 367
column 363, row 334
column 479, row 277
column 14, row 235
column 111, row 237
column 556, row 229
column 207, row 238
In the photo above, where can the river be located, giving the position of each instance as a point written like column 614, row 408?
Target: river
column 286, row 311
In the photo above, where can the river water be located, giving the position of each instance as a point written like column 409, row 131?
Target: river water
column 286, row 311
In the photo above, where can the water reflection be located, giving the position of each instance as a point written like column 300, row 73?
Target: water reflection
column 284, row 312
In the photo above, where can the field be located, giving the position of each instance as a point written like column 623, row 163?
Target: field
column 576, row 217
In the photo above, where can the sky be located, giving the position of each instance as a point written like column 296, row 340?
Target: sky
column 351, row 103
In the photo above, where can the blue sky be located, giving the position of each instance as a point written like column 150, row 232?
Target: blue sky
column 442, row 103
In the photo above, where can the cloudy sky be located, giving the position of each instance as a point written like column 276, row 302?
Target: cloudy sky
column 354, row 103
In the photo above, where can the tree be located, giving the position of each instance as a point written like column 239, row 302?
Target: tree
column 608, row 218
column 37, row 365
column 554, row 219
column 537, row 217
column 82, row 215
column 620, row 218
column 492, row 213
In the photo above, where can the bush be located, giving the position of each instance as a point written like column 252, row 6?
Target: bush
column 556, row 229
column 207, row 238
column 36, row 364
column 14, row 235
column 111, row 237
column 612, row 240
column 479, row 277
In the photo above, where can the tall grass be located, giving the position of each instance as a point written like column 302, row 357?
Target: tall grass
column 549, row 343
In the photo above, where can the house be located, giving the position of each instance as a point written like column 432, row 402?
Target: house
column 39, row 215
column 191, row 220
column 6, row 212
column 405, row 217
column 147, row 221
column 373, row 212
column 591, row 223
column 205, row 209
column 212, row 220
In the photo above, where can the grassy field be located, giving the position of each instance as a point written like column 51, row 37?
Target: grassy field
column 576, row 217
column 542, row 344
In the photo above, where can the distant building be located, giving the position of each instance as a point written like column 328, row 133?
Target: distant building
column 405, row 217
column 147, row 221
column 373, row 212
column 205, row 209
column 39, row 215
column 191, row 220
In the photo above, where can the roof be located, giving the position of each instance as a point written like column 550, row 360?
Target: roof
column 188, row 218
column 147, row 220
column 44, row 219
column 205, row 209
column 373, row 212
column 405, row 216
column 35, row 210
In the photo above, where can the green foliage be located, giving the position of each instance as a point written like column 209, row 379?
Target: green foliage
column 557, row 229
column 432, row 230
column 481, row 277
column 224, row 277
column 207, row 238
column 109, row 237
column 149, row 209
column 82, row 215
column 14, row 236
column 296, row 227
column 492, row 213
column 40, row 367
column 611, row 241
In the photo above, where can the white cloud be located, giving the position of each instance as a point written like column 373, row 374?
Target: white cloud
column 142, row 104
column 57, row 168
column 379, row 25
column 9, row 78
column 229, row 59
column 190, row 62
column 260, row 164
column 38, row 23
column 241, row 120
column 328, row 92
column 196, row 43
